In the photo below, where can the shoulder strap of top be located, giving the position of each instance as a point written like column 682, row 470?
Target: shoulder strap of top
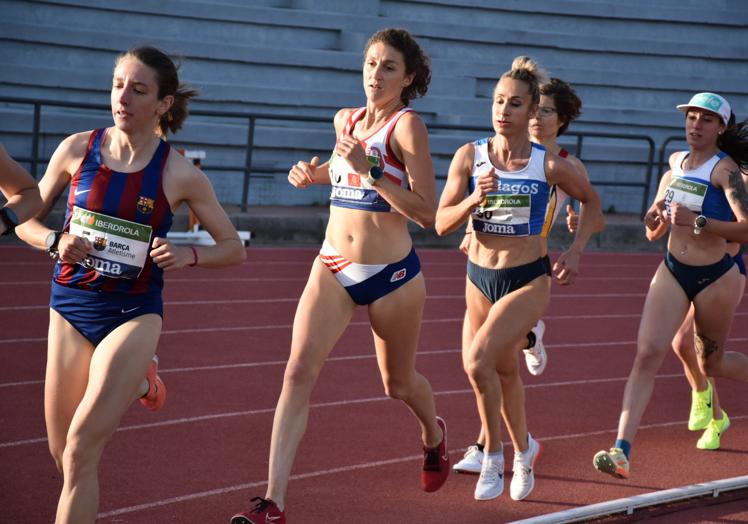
column 352, row 119
column 93, row 152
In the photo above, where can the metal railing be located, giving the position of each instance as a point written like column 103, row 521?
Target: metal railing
column 662, row 164
column 252, row 118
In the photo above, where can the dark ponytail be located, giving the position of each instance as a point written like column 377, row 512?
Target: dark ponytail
column 734, row 142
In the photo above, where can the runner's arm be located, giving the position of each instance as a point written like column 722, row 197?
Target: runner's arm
column 65, row 160
column 19, row 188
column 186, row 183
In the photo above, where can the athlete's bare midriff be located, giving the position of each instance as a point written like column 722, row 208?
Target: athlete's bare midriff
column 368, row 238
column 696, row 250
column 496, row 252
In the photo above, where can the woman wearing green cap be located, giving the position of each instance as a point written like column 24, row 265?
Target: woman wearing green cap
column 704, row 201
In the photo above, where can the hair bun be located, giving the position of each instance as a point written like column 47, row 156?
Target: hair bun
column 531, row 67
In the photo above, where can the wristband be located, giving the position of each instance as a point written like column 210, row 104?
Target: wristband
column 194, row 254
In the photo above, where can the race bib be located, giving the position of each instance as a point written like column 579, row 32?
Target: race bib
column 349, row 189
column 506, row 215
column 120, row 247
column 341, row 172
column 686, row 193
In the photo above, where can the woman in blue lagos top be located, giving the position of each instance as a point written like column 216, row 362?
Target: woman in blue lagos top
column 509, row 181
column 106, row 306
column 381, row 176
column 704, row 202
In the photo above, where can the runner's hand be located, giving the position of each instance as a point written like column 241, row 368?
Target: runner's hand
column 353, row 152
column 681, row 215
column 572, row 219
column 465, row 244
column 566, row 268
column 168, row 257
column 487, row 182
column 73, row 249
column 302, row 174
column 656, row 215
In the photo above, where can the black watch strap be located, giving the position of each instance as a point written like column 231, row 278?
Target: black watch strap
column 53, row 249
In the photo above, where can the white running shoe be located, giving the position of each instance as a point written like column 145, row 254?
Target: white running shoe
column 470, row 462
column 523, row 477
column 491, row 481
column 535, row 357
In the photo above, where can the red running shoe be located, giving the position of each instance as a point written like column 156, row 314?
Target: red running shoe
column 156, row 396
column 265, row 511
column 435, row 463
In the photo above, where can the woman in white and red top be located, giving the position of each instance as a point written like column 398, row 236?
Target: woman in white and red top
column 382, row 176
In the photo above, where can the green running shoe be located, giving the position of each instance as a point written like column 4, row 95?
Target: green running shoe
column 701, row 409
column 711, row 437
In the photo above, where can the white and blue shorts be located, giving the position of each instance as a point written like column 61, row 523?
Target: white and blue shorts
column 366, row 283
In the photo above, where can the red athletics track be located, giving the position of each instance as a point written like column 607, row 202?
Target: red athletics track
column 225, row 341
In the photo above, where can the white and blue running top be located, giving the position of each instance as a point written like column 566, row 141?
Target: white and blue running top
column 693, row 189
column 525, row 202
column 349, row 189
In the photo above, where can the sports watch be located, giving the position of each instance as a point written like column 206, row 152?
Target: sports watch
column 52, row 241
column 375, row 174
column 698, row 224
column 10, row 219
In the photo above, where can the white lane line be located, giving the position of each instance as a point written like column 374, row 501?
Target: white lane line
column 335, row 403
column 368, row 356
column 228, row 329
column 349, row 468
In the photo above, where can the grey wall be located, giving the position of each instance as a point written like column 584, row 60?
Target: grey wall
column 631, row 62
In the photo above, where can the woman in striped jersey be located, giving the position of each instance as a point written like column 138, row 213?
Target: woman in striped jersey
column 106, row 304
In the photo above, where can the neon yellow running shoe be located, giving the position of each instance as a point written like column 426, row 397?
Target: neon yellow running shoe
column 711, row 437
column 613, row 462
column 701, row 409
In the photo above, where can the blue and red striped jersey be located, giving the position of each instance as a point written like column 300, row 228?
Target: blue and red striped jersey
column 137, row 197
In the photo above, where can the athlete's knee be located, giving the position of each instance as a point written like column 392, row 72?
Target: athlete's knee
column 300, row 374
column 478, row 370
column 81, row 456
column 649, row 354
column 397, row 388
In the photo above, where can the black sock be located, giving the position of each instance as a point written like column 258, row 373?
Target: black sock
column 479, row 446
column 531, row 340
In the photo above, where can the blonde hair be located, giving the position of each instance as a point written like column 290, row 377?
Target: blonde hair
column 527, row 70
